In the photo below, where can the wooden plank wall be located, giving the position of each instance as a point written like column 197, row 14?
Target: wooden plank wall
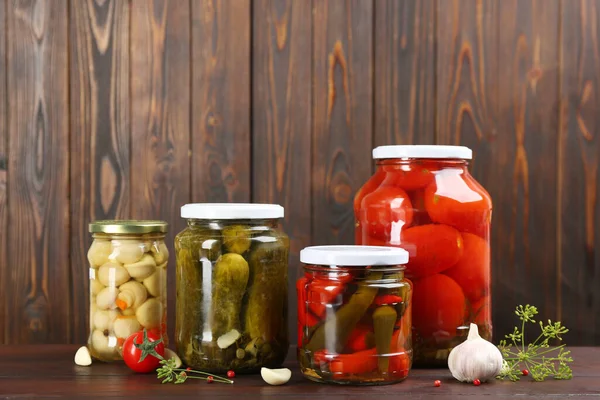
column 120, row 108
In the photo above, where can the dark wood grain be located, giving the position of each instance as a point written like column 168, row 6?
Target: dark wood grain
column 467, row 104
column 61, row 378
column 100, row 126
column 221, row 101
column 160, row 118
column 281, row 115
column 4, row 290
column 38, row 116
column 523, row 153
column 579, row 157
column 342, row 114
column 404, row 72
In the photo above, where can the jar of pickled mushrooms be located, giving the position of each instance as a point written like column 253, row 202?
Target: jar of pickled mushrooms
column 128, row 283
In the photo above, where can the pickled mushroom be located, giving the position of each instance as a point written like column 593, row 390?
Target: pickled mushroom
column 96, row 287
column 150, row 313
column 143, row 268
column 155, row 282
column 101, row 345
column 132, row 294
column 112, row 274
column 99, row 252
column 126, row 326
column 128, row 251
column 104, row 319
column 106, row 298
column 160, row 252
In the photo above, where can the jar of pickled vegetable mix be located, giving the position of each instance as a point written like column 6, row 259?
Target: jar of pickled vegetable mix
column 354, row 315
column 128, row 283
column 232, row 266
column 423, row 199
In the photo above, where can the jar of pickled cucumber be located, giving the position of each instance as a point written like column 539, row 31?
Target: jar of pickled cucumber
column 354, row 315
column 128, row 283
column 423, row 199
column 232, row 268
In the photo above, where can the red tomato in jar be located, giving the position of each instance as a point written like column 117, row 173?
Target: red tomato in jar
column 472, row 271
column 432, row 249
column 438, row 306
column 149, row 344
column 385, row 212
column 481, row 311
column 420, row 215
column 410, row 176
column 370, row 186
column 456, row 199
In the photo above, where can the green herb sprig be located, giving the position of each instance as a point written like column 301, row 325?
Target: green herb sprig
column 539, row 358
column 170, row 373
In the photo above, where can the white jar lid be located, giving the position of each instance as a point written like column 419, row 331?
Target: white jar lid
column 231, row 211
column 353, row 255
column 422, row 151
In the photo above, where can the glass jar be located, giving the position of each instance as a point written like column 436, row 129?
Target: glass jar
column 354, row 315
column 232, row 268
column 423, row 199
column 128, row 283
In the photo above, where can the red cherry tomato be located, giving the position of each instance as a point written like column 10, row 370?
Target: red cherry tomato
column 439, row 306
column 472, row 271
column 372, row 184
column 481, row 311
column 432, row 248
column 143, row 343
column 411, row 176
column 456, row 199
column 420, row 215
column 384, row 213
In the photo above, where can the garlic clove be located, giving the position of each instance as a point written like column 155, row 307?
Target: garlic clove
column 475, row 358
column 227, row 339
column 83, row 357
column 275, row 377
column 171, row 354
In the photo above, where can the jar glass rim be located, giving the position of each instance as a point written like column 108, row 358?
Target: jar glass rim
column 128, row 226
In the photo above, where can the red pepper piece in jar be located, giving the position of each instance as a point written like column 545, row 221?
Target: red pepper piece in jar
column 439, row 306
column 458, row 200
column 322, row 292
column 360, row 339
column 387, row 299
column 301, row 293
column 360, row 362
column 432, row 249
column 384, row 213
column 399, row 363
column 472, row 271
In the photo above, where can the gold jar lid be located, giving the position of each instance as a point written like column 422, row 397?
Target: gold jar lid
column 128, row 226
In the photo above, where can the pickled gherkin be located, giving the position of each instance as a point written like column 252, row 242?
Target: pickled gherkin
column 230, row 277
column 232, row 295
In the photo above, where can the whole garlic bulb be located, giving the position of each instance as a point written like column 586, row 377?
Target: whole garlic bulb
column 475, row 358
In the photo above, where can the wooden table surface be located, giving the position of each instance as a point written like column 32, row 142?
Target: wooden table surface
column 48, row 371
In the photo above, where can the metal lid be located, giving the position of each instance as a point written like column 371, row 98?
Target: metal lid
column 422, row 151
column 128, row 226
column 353, row 255
column 231, row 211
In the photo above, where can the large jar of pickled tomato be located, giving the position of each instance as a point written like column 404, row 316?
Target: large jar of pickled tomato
column 128, row 283
column 232, row 268
column 354, row 315
column 423, row 199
